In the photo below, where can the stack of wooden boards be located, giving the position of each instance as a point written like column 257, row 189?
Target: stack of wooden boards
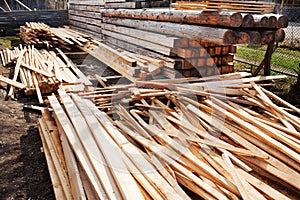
column 192, row 38
column 239, row 6
column 39, row 71
column 91, row 4
column 131, row 65
column 41, row 34
column 15, row 19
column 222, row 137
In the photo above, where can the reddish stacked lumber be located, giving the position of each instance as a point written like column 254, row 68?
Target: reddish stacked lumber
column 39, row 71
column 222, row 137
column 137, row 57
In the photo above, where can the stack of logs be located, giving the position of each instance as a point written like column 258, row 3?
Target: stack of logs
column 228, row 145
column 183, row 35
column 39, row 71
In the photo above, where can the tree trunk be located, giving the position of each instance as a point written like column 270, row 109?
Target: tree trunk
column 225, row 19
column 208, row 34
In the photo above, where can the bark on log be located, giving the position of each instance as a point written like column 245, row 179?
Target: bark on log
column 261, row 21
column 272, row 22
column 255, row 37
column 279, row 35
column 267, row 37
column 248, row 20
column 208, row 34
column 226, row 19
column 244, row 38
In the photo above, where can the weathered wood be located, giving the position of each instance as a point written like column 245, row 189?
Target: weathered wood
column 260, row 20
column 161, row 39
column 209, row 34
column 16, row 19
column 22, row 4
column 248, row 20
column 134, row 48
column 148, row 45
column 112, row 60
column 229, row 19
column 12, row 83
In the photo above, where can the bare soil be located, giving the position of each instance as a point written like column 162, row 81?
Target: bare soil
column 23, row 169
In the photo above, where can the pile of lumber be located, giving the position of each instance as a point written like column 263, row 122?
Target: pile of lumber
column 131, row 4
column 181, row 35
column 39, row 71
column 201, row 42
column 16, row 18
column 131, row 65
column 41, row 34
column 222, row 137
column 137, row 57
column 236, row 5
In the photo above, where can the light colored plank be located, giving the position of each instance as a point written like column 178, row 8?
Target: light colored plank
column 99, row 163
column 108, row 147
column 65, row 126
column 72, row 168
column 12, row 82
column 57, row 188
column 61, row 175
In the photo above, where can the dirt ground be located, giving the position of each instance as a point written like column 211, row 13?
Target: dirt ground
column 23, row 169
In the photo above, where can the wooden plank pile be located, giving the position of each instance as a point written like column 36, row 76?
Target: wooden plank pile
column 192, row 38
column 41, row 34
column 131, row 4
column 222, row 137
column 131, row 65
column 15, row 19
column 203, row 42
column 236, row 5
column 39, row 71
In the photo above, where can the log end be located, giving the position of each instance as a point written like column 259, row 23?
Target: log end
column 230, row 37
column 255, row 37
column 236, row 19
column 248, row 21
column 282, row 21
column 279, row 35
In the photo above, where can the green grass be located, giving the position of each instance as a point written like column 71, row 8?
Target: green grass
column 5, row 42
column 283, row 58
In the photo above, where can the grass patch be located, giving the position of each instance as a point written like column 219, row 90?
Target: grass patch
column 283, row 58
column 5, row 42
